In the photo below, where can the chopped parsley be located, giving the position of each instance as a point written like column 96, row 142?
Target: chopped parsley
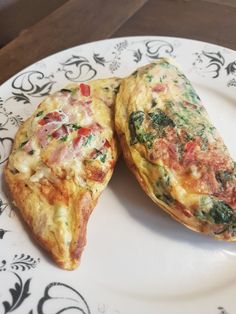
column 64, row 138
column 149, row 77
column 39, row 114
column 23, row 144
column 74, row 126
column 103, row 158
column 88, row 140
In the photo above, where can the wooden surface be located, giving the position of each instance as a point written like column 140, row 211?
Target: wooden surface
column 80, row 21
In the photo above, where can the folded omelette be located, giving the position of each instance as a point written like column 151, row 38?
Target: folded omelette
column 174, row 151
column 62, row 158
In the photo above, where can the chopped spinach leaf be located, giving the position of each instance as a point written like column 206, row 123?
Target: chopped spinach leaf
column 166, row 198
column 135, row 121
column 145, row 138
column 223, row 176
column 219, row 213
column 160, row 119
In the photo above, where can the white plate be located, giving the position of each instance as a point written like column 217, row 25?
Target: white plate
column 137, row 259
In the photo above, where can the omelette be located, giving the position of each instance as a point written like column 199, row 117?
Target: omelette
column 174, row 150
column 62, row 159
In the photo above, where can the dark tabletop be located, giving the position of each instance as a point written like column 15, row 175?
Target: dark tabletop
column 81, row 21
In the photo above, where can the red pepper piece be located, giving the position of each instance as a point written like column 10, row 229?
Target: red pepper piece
column 85, row 89
column 83, row 131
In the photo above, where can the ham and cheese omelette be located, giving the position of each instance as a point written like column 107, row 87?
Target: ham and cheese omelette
column 62, row 159
column 174, row 150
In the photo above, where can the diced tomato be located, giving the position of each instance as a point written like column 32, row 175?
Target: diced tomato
column 85, row 89
column 84, row 131
column 42, row 122
column 60, row 132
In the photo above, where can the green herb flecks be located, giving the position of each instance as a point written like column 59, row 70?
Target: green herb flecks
column 88, row 140
column 39, row 114
column 103, row 158
column 163, row 186
column 73, row 126
column 192, row 96
column 224, row 176
column 23, row 144
column 149, row 77
column 64, row 138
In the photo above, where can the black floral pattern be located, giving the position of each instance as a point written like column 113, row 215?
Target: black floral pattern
column 6, row 118
column 62, row 298
column 20, row 262
column 31, row 84
column 158, row 48
column 3, row 206
column 23, row 262
column 231, row 68
column 209, row 62
column 222, row 310
column 2, row 233
column 19, row 293
column 137, row 55
column 78, row 69
column 98, row 59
